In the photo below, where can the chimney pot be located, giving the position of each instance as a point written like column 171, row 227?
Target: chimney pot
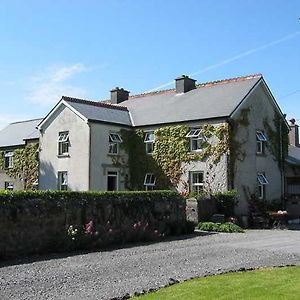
column 184, row 84
column 118, row 95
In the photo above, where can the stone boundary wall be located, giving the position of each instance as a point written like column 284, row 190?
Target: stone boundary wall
column 50, row 221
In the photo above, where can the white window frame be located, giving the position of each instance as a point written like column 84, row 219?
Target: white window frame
column 62, row 180
column 196, row 138
column 149, row 181
column 260, row 142
column 9, row 159
column 149, row 141
column 9, row 186
column 196, row 187
column 114, row 141
column 262, row 182
column 63, row 143
column 113, row 173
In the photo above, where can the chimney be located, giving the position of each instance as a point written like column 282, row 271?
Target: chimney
column 185, row 84
column 118, row 95
column 294, row 133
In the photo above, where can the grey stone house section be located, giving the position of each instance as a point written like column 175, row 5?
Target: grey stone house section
column 88, row 127
column 16, row 135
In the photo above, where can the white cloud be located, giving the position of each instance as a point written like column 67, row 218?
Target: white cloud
column 52, row 84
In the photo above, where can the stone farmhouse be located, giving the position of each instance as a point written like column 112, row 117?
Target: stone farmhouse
column 196, row 138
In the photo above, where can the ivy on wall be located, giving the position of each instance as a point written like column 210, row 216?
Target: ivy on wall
column 237, row 153
column 171, row 151
column 25, row 165
column 278, row 136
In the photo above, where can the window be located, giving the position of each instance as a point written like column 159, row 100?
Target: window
column 260, row 142
column 196, row 139
column 9, row 186
column 196, row 182
column 112, row 180
column 114, row 141
column 149, row 141
column 149, row 181
column 63, row 181
column 262, row 182
column 63, row 143
column 8, row 159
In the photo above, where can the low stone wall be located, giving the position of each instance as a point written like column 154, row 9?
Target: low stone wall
column 44, row 221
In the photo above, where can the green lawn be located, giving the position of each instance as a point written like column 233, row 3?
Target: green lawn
column 264, row 284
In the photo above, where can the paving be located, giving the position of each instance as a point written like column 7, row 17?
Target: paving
column 115, row 273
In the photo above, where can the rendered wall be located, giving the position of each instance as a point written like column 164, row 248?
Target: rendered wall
column 247, row 164
column 76, row 163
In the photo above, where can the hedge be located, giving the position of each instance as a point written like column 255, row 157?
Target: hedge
column 36, row 222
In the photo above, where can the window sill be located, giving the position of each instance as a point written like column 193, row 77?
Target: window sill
column 63, row 155
column 112, row 154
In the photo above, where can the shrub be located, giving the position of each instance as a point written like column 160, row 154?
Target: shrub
column 217, row 227
column 208, row 226
column 230, row 227
column 226, row 202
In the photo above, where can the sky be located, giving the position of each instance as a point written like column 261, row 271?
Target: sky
column 85, row 48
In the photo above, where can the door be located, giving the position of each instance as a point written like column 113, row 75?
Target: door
column 112, row 180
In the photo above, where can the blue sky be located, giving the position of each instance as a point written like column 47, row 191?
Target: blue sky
column 85, row 48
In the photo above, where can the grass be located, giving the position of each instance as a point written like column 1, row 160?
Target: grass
column 262, row 284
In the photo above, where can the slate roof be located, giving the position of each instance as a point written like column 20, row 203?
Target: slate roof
column 98, row 111
column 15, row 134
column 293, row 156
column 209, row 100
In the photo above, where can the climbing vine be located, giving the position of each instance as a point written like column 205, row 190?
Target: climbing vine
column 237, row 153
column 171, row 151
column 278, row 138
column 25, row 165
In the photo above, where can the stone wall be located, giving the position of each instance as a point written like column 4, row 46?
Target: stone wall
column 44, row 221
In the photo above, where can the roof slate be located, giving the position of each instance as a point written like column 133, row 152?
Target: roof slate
column 16, row 133
column 210, row 100
column 97, row 111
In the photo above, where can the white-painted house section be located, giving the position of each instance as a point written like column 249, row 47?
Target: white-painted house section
column 247, row 166
column 77, row 162
column 101, row 161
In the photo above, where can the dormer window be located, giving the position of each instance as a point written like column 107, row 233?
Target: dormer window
column 196, row 139
column 114, row 141
column 149, row 181
column 149, row 142
column 8, row 159
column 63, row 143
column 260, row 142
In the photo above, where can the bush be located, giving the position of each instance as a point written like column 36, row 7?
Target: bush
column 208, row 226
column 217, row 227
column 226, row 202
column 36, row 222
column 230, row 227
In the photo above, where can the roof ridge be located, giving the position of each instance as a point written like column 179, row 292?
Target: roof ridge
column 199, row 85
column 30, row 120
column 95, row 103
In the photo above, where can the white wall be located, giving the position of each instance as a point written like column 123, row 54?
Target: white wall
column 247, row 168
column 101, row 161
column 77, row 163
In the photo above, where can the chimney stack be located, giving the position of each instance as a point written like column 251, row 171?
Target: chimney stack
column 118, row 95
column 185, row 84
column 294, row 133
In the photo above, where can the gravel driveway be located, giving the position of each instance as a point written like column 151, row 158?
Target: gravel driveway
column 104, row 275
